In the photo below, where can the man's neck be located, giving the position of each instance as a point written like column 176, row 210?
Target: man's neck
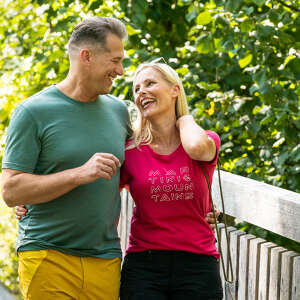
column 76, row 89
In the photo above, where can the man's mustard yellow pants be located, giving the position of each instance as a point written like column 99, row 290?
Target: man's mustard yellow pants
column 52, row 275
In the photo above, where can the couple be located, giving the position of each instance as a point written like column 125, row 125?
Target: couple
column 62, row 160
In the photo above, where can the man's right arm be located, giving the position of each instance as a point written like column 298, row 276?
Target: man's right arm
column 26, row 188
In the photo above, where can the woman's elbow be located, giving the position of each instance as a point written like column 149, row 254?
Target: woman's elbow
column 203, row 153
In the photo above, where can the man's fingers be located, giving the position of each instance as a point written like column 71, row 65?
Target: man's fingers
column 110, row 171
column 110, row 156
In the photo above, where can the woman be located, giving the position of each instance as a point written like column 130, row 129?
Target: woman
column 172, row 253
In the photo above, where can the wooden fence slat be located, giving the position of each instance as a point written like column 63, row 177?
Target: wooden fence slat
column 220, row 227
column 254, row 261
column 243, row 266
column 225, row 253
column 286, row 275
column 296, row 279
column 264, row 270
column 125, row 219
column 235, row 252
column 275, row 272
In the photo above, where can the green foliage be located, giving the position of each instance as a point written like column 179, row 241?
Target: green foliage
column 239, row 61
column 8, row 257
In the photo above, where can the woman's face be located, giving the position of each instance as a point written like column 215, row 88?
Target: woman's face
column 153, row 95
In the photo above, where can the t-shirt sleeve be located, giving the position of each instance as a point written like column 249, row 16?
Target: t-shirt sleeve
column 217, row 141
column 23, row 146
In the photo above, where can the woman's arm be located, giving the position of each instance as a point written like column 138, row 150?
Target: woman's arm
column 194, row 139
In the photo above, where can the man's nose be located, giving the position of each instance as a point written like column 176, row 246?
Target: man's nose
column 120, row 70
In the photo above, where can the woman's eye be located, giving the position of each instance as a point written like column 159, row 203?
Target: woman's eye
column 150, row 83
column 136, row 90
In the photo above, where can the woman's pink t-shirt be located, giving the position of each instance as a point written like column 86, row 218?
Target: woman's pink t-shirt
column 171, row 200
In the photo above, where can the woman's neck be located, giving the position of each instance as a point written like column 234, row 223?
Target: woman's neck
column 166, row 136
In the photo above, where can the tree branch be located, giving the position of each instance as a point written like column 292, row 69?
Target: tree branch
column 289, row 6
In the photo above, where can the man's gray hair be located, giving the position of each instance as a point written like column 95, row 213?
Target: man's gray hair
column 94, row 30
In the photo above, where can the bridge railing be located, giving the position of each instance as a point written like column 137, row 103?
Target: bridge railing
column 262, row 270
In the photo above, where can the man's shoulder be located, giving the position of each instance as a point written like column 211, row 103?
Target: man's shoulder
column 115, row 105
column 39, row 98
column 113, row 100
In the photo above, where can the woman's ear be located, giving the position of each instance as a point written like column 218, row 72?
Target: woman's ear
column 175, row 90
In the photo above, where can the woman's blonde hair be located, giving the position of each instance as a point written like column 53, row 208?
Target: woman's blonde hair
column 141, row 130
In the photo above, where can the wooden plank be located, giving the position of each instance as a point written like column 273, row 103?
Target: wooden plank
column 286, row 274
column 264, row 205
column 235, row 252
column 275, row 272
column 264, row 270
column 296, row 279
column 220, row 227
column 244, row 266
column 254, row 262
column 225, row 253
column 125, row 219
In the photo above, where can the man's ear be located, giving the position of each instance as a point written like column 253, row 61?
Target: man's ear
column 85, row 56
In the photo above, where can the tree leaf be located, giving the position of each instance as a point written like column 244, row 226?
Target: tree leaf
column 204, row 18
column 245, row 61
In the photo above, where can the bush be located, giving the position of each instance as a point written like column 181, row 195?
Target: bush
column 8, row 257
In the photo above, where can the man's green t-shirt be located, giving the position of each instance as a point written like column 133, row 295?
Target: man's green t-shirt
column 49, row 133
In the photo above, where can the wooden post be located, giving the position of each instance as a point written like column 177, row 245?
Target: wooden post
column 264, row 270
column 244, row 266
column 275, row 272
column 286, row 274
column 296, row 279
column 254, row 265
column 235, row 252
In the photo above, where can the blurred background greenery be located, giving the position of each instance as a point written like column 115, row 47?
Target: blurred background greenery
column 239, row 61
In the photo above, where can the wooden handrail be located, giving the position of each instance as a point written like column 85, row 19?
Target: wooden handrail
column 261, row 204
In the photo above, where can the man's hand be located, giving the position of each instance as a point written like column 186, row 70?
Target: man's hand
column 100, row 165
column 210, row 218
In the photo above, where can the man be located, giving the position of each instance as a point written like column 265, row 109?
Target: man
column 63, row 152
column 62, row 157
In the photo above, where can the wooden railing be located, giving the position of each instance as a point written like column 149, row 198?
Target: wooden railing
column 262, row 270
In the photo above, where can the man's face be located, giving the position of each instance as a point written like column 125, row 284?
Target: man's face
column 107, row 65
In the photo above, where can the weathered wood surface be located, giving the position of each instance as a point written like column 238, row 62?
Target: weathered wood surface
column 264, row 205
column 264, row 271
column 296, row 279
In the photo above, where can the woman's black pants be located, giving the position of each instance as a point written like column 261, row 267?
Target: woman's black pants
column 170, row 275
